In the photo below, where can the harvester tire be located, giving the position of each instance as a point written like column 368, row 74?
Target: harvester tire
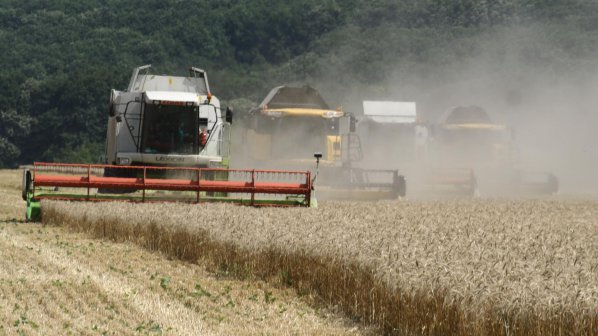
column 26, row 186
column 402, row 186
column 553, row 184
column 475, row 189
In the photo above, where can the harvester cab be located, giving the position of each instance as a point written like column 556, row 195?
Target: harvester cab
column 292, row 123
column 388, row 132
column 468, row 135
column 167, row 121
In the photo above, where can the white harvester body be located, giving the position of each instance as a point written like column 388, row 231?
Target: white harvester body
column 167, row 121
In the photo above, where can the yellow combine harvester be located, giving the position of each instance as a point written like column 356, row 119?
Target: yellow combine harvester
column 464, row 154
column 467, row 139
column 293, row 123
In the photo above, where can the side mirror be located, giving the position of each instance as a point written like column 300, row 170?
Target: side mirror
column 229, row 115
column 111, row 111
column 352, row 124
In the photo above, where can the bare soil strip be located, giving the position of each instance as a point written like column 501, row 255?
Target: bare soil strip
column 53, row 282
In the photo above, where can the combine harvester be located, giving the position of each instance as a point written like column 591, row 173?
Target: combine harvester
column 167, row 140
column 467, row 136
column 465, row 154
column 393, row 137
column 293, row 123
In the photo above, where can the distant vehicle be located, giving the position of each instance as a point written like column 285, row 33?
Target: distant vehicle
column 465, row 153
column 466, row 137
column 293, row 123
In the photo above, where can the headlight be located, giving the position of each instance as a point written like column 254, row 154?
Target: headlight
column 332, row 114
column 123, row 161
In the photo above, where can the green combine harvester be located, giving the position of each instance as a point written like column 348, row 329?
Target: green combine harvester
column 167, row 140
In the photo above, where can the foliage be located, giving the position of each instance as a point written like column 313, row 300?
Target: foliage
column 60, row 59
column 13, row 127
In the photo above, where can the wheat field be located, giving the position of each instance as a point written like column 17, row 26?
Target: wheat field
column 56, row 281
column 472, row 267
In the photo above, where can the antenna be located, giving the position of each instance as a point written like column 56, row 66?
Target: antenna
column 318, row 156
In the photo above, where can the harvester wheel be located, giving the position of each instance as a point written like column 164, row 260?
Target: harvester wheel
column 26, row 186
column 553, row 184
column 475, row 189
column 402, row 186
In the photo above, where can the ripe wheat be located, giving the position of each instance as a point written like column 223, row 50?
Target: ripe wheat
column 456, row 267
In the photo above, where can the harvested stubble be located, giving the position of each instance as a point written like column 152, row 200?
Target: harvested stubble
column 435, row 268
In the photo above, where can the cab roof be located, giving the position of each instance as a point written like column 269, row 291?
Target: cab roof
column 304, row 97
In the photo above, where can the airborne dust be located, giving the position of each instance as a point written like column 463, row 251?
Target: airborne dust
column 547, row 98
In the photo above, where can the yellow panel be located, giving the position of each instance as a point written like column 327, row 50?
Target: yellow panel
column 475, row 126
column 304, row 112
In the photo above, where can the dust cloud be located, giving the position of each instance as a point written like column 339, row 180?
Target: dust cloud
column 547, row 97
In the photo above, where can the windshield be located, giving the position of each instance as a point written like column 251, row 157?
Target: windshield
column 170, row 129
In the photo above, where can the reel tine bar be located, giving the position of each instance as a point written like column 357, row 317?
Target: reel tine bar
column 199, row 180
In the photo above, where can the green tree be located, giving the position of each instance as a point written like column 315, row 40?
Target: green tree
column 60, row 58
column 13, row 126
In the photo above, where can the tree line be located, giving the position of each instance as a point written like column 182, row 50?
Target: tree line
column 61, row 58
